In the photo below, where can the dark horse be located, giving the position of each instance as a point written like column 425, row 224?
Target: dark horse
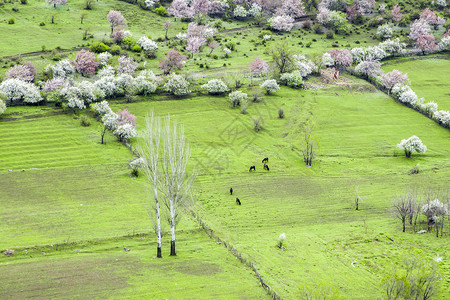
column 265, row 160
column 252, row 168
column 266, row 167
column 238, row 201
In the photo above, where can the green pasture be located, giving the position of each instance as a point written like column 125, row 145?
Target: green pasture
column 357, row 132
column 428, row 76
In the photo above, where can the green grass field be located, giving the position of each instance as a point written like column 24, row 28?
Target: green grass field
column 80, row 225
column 429, row 78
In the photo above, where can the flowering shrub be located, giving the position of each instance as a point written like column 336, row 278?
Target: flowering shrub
column 393, row 46
column 369, row 68
column 180, row 9
column 433, row 209
column 226, row 51
column 444, row 43
column 116, row 19
column 293, row 79
column 255, row 10
column 429, row 107
column 408, row 97
column 425, row 43
column 173, row 61
column 16, row 90
column 443, row 117
column 103, row 58
column 327, row 60
column 85, row 62
column 375, row 53
column 215, row 87
column 143, row 86
column 101, row 108
column 125, row 132
column 148, row 46
column 292, row 8
column 396, row 14
column 237, row 97
column 135, row 164
column 259, row 66
column 23, row 72
column 281, row 23
column 126, row 65
column 240, row 12
column 304, row 67
column 177, row 85
column 281, row 239
column 341, row 57
column 389, row 80
column 54, row 84
column 125, row 117
column 384, row 32
column 419, row 27
column 411, row 145
column 62, row 69
column 270, row 86
column 110, row 120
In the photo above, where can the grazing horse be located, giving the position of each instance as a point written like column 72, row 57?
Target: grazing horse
column 266, row 167
column 238, row 201
column 252, row 168
column 231, row 191
column 265, row 160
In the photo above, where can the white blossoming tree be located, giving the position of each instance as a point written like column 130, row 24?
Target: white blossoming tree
column 215, row 87
column 411, row 145
column 270, row 85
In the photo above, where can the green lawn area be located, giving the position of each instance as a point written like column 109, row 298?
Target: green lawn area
column 428, row 76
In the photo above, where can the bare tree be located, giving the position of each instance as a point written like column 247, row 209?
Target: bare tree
column 282, row 56
column 310, row 144
column 400, row 207
column 176, row 183
column 149, row 151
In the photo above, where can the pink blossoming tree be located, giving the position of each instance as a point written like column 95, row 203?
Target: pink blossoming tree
column 173, row 61
column 116, row 19
column 85, row 62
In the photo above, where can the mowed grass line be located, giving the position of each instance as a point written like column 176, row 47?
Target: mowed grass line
column 102, row 269
column 428, row 76
column 358, row 133
column 31, row 140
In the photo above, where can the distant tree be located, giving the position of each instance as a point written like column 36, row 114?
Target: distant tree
column 431, row 18
column 270, row 86
column 179, row 9
column 125, row 117
column 396, row 14
column 194, row 44
column 200, row 6
column 125, row 132
column 411, row 145
column 116, row 19
column 282, row 56
column 166, row 27
column 126, row 65
column 309, row 144
column 419, row 27
column 369, row 68
column 291, row 8
column 384, row 32
column 56, row 2
column 435, row 211
column 259, row 66
column 19, row 91
column 237, row 97
column 389, row 80
column 110, row 121
column 212, row 46
column 281, row 23
column 173, row 61
column 177, row 85
column 118, row 35
column 404, row 207
column 148, row 46
column 342, row 57
column 23, row 72
column 83, row 16
column 176, row 182
column 215, row 87
column 85, row 62
column 426, row 43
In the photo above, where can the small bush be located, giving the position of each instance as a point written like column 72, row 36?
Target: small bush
column 161, row 11
column 281, row 113
column 307, row 24
column 115, row 50
column 244, row 106
column 231, row 45
column 329, row 34
column 24, row 2
column 318, row 28
column 256, row 97
column 258, row 124
column 42, row 24
column 136, row 48
column 11, row 21
column 85, row 121
column 99, row 47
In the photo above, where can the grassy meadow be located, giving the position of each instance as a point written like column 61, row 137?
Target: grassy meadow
column 428, row 76
column 80, row 224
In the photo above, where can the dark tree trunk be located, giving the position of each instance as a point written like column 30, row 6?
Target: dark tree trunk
column 158, row 252
column 172, row 248
column 404, row 224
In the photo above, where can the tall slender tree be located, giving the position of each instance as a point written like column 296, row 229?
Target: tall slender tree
column 149, row 151
column 175, row 183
